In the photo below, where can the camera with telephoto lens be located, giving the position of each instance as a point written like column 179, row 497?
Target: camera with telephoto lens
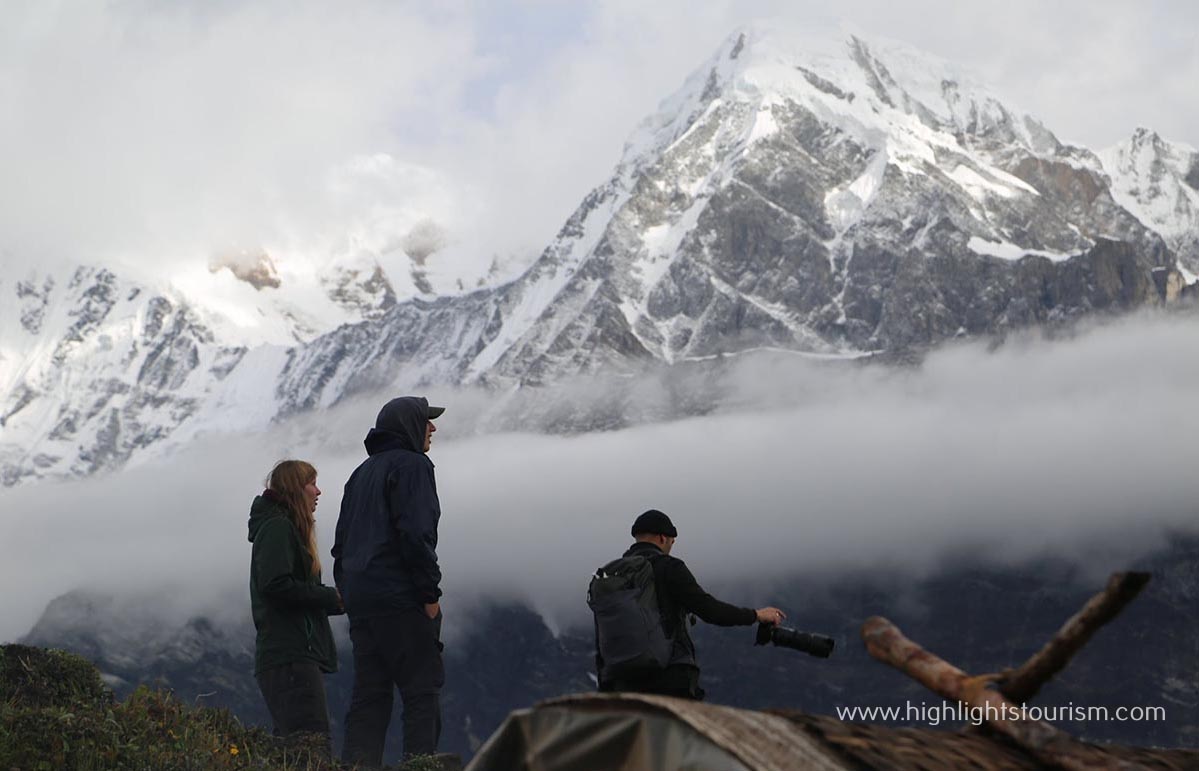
column 812, row 644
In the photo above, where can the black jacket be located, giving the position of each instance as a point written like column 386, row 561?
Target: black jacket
column 678, row 595
column 385, row 548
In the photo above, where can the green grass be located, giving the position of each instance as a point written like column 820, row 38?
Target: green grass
column 56, row 713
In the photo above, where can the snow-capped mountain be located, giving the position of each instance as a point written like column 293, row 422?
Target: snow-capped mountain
column 1158, row 181
column 96, row 364
column 830, row 196
column 834, row 198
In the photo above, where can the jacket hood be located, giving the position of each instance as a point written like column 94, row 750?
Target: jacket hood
column 264, row 507
column 400, row 425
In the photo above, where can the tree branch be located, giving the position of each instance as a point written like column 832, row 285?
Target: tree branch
column 1023, row 683
column 1050, row 746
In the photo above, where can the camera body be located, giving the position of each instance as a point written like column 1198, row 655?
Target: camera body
column 812, row 644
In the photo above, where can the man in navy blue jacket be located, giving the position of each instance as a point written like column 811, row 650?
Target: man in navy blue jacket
column 385, row 566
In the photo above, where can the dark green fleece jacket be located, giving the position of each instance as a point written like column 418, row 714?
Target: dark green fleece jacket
column 290, row 605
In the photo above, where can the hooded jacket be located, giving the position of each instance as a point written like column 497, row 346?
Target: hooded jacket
column 385, row 550
column 290, row 605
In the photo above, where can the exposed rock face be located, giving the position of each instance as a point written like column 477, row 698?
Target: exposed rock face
column 362, row 288
column 255, row 268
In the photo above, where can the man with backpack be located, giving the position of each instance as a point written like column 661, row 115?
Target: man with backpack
column 641, row 602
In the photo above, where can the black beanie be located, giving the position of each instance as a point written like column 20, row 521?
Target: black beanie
column 654, row 522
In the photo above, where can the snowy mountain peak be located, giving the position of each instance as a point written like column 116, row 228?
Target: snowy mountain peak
column 1142, row 136
column 874, row 89
column 1158, row 181
column 1148, row 140
column 1146, row 149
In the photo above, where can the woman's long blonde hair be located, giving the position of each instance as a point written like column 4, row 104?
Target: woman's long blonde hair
column 287, row 481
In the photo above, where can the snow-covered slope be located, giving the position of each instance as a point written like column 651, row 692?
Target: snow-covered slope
column 829, row 196
column 94, row 367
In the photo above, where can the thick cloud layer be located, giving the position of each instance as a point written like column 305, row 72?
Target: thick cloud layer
column 1080, row 448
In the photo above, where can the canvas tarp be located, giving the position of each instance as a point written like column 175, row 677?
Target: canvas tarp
column 628, row 732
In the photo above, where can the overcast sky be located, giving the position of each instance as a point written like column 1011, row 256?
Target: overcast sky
column 1081, row 449
column 143, row 131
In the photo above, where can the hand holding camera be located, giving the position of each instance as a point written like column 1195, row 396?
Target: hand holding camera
column 770, row 615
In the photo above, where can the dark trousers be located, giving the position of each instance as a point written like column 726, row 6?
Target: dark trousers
column 295, row 697
column 403, row 651
column 679, row 680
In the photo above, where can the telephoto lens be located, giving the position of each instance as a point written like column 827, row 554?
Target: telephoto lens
column 812, row 644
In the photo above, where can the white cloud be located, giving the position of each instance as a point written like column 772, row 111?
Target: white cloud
column 170, row 127
column 153, row 131
column 1073, row 448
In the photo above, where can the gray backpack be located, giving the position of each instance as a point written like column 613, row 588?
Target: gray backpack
column 628, row 622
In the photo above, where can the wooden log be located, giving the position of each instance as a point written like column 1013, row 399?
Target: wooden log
column 1046, row 743
column 1023, row 683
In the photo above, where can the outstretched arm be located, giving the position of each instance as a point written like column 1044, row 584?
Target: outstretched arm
column 695, row 600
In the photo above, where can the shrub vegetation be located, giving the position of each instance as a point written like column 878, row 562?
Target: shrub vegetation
column 56, row 713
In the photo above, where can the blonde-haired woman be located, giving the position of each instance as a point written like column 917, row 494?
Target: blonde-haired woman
column 290, row 604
